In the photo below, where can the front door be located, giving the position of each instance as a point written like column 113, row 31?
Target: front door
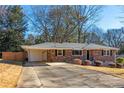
column 87, row 54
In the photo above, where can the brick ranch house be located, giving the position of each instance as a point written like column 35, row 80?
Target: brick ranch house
column 55, row 52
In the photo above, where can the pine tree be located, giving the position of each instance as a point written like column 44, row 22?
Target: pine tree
column 14, row 25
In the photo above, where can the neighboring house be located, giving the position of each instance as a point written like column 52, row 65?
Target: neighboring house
column 53, row 52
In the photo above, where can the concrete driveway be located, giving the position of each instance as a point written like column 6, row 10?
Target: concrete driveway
column 64, row 75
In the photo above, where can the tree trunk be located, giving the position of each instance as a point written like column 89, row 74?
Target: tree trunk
column 79, row 31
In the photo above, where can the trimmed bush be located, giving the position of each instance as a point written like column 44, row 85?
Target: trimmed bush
column 113, row 65
column 87, row 62
column 77, row 61
column 120, row 60
column 98, row 63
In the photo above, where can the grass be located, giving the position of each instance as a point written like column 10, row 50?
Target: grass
column 119, row 72
column 9, row 74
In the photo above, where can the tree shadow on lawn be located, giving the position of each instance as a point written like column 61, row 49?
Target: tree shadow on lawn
column 30, row 64
column 20, row 63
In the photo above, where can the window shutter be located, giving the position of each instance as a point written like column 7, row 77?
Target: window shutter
column 72, row 52
column 110, row 52
column 63, row 52
column 102, row 52
column 80, row 52
column 55, row 52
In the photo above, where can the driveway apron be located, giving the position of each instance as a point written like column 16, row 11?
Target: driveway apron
column 64, row 75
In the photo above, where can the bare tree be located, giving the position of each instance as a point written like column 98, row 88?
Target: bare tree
column 54, row 22
column 30, row 40
column 85, row 16
column 95, row 35
column 3, row 9
column 64, row 23
column 41, row 21
column 114, row 37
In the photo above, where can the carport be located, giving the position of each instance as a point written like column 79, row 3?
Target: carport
column 43, row 52
column 37, row 55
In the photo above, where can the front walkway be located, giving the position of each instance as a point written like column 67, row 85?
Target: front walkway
column 64, row 75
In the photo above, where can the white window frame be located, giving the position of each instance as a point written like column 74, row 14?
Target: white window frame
column 58, row 52
column 77, row 55
column 106, row 53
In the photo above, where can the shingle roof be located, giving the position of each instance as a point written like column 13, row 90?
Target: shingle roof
column 50, row 45
column 96, row 46
column 76, row 46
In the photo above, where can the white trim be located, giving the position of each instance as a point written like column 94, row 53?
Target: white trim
column 59, row 50
column 106, row 53
column 77, row 50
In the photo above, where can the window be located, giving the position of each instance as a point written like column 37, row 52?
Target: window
column 108, row 52
column 60, row 52
column 77, row 52
column 105, row 52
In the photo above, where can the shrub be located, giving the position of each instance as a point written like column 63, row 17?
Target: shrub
column 77, row 61
column 120, row 60
column 87, row 62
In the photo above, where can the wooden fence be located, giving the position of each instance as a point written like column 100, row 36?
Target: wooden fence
column 15, row 56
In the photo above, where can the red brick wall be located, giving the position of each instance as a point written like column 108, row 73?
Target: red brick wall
column 15, row 56
column 105, row 58
column 68, row 56
column 97, row 54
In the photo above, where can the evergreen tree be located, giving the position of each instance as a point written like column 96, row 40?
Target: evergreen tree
column 13, row 24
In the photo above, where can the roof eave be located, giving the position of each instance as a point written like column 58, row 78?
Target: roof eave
column 101, row 49
column 28, row 47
